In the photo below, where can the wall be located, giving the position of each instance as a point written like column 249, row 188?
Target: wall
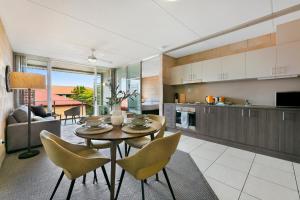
column 150, row 87
column 6, row 99
column 258, row 92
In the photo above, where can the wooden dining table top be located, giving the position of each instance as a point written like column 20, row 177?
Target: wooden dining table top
column 117, row 134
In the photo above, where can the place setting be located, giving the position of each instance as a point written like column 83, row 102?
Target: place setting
column 94, row 125
column 140, row 124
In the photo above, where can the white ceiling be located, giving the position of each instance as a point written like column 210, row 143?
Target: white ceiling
column 126, row 31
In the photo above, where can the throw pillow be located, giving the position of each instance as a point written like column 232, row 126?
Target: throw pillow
column 39, row 111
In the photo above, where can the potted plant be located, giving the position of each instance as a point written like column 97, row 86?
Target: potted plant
column 117, row 96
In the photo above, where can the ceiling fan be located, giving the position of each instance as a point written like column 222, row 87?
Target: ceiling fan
column 93, row 59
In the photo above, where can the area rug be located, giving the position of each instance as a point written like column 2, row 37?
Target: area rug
column 35, row 179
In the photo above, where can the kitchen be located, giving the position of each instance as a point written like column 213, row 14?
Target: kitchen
column 254, row 77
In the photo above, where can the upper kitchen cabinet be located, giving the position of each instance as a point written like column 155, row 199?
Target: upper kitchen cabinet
column 288, row 59
column 261, row 63
column 288, row 32
column 192, row 73
column 197, row 70
column 176, row 75
column 212, row 70
column 233, row 67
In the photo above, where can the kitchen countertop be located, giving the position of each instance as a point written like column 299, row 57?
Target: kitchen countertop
column 238, row 106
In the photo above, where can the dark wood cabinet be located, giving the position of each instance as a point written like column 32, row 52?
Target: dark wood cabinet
column 267, row 129
column 289, row 136
column 235, row 125
column 202, row 120
column 170, row 114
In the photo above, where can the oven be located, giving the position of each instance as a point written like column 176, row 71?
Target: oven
column 186, row 117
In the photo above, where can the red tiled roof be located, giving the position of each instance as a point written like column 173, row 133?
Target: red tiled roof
column 41, row 99
column 56, row 89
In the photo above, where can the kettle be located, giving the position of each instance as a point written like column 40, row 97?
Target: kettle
column 210, row 99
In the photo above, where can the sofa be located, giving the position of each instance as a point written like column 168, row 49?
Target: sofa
column 17, row 125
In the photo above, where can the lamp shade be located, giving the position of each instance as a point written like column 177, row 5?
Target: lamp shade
column 24, row 80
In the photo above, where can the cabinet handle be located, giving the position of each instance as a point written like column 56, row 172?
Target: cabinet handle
column 204, row 110
column 283, row 118
column 209, row 110
column 242, row 112
column 249, row 113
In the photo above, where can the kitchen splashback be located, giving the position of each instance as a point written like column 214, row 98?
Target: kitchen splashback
column 258, row 92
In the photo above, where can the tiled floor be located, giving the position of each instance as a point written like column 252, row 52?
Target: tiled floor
column 236, row 174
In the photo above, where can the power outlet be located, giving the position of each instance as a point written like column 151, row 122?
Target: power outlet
column 2, row 141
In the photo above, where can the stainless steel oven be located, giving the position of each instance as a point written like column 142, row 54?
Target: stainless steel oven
column 186, row 117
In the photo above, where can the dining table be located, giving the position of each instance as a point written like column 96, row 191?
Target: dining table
column 115, row 135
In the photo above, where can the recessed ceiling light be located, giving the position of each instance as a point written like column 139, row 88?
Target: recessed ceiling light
column 171, row 0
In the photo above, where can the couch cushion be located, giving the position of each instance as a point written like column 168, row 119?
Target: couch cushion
column 39, row 111
column 11, row 119
column 20, row 114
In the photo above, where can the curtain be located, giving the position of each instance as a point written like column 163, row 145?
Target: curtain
column 20, row 63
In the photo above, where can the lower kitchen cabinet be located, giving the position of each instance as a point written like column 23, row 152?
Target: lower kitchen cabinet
column 254, row 125
column 270, row 138
column 202, row 120
column 289, row 137
column 235, row 125
column 170, row 114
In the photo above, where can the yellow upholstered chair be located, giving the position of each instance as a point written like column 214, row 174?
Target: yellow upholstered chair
column 142, row 141
column 150, row 160
column 75, row 160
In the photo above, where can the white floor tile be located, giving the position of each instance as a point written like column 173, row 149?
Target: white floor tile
column 280, row 177
column 298, row 182
column 215, row 146
column 223, row 191
column 229, row 176
column 274, row 163
column 202, row 163
column 265, row 190
column 242, row 154
column 189, row 144
column 209, row 154
column 245, row 196
column 234, row 162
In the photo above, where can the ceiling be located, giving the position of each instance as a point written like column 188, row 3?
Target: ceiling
column 127, row 31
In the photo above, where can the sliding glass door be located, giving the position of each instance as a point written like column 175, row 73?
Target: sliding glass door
column 134, row 83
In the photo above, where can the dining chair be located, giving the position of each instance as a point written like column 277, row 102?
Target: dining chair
column 75, row 160
column 148, row 161
column 140, row 142
column 73, row 112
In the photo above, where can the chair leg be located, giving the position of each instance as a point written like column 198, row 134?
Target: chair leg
column 57, row 184
column 106, row 177
column 83, row 179
column 143, row 193
column 169, row 184
column 125, row 149
column 120, row 152
column 145, row 181
column 71, row 189
column 156, row 176
column 95, row 177
column 128, row 151
column 120, row 183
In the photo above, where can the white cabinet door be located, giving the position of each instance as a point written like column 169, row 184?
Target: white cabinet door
column 197, row 72
column 176, row 75
column 212, row 70
column 288, row 59
column 261, row 63
column 233, row 67
column 186, row 73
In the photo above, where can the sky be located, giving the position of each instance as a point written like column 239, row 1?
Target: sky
column 67, row 79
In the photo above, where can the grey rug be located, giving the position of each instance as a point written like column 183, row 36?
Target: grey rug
column 35, row 179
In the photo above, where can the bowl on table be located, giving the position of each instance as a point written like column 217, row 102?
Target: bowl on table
column 94, row 121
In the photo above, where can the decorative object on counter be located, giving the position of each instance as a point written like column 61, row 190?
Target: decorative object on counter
column 247, row 102
column 117, row 96
column 210, row 100
column 182, row 98
column 176, row 96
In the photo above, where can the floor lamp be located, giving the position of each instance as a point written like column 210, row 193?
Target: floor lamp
column 27, row 81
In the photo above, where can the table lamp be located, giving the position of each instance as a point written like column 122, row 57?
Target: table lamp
column 27, row 81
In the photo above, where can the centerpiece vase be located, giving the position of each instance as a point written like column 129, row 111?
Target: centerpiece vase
column 116, row 115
